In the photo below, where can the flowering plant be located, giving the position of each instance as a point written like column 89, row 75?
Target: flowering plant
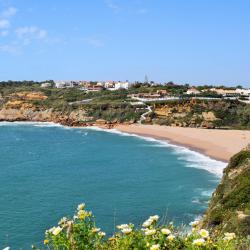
column 81, row 233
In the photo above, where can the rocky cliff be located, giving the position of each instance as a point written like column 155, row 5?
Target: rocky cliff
column 201, row 113
column 229, row 209
column 20, row 107
column 73, row 118
column 54, row 106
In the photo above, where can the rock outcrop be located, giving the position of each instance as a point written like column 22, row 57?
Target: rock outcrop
column 27, row 95
column 186, row 114
column 73, row 118
column 229, row 209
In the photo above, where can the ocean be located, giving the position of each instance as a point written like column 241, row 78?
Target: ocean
column 46, row 170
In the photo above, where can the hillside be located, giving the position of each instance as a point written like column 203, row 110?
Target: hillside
column 74, row 107
column 229, row 209
column 202, row 113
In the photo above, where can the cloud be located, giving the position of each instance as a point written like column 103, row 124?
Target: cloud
column 10, row 49
column 11, row 11
column 110, row 4
column 29, row 33
column 4, row 24
column 4, row 20
column 23, row 35
column 94, row 42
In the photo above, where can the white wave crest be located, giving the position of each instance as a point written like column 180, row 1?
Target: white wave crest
column 28, row 123
column 194, row 159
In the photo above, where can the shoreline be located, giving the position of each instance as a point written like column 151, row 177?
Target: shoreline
column 225, row 143
column 198, row 158
column 217, row 144
column 188, row 146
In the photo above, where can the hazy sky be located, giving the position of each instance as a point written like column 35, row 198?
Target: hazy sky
column 186, row 41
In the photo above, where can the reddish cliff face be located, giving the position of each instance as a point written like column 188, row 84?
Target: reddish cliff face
column 74, row 118
column 20, row 107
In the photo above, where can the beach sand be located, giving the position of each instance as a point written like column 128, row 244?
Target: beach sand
column 216, row 143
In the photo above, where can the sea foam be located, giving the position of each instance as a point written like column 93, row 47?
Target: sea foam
column 194, row 159
column 28, row 123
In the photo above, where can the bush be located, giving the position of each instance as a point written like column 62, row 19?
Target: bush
column 81, row 233
column 239, row 158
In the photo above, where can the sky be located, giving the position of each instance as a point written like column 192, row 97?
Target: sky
column 185, row 41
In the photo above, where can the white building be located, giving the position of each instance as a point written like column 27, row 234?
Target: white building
column 60, row 84
column 121, row 85
column 46, row 85
column 66, row 84
column 116, row 85
column 245, row 92
column 193, row 91
column 100, row 84
column 109, row 85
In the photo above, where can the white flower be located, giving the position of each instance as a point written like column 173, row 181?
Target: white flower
column 147, row 223
column 150, row 220
column 127, row 230
column 171, row 237
column 122, row 226
column 150, row 231
column 95, row 230
column 204, row 233
column 101, row 234
column 50, row 230
column 56, row 231
column 165, row 231
column 155, row 247
column 194, row 223
column 229, row 236
column 81, row 206
column 62, row 221
column 154, row 218
column 199, row 242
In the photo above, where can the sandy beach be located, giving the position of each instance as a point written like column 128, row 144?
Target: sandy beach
column 216, row 143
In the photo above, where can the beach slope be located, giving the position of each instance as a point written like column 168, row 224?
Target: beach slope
column 216, row 143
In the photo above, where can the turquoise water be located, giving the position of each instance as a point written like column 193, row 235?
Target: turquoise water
column 46, row 170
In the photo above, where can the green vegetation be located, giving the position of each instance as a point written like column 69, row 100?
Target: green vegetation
column 239, row 159
column 223, row 113
column 120, row 112
column 116, row 105
column 229, row 209
column 7, row 88
column 225, row 226
column 228, row 216
column 108, row 105
column 81, row 233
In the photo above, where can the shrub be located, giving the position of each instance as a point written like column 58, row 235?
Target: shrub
column 81, row 233
column 239, row 158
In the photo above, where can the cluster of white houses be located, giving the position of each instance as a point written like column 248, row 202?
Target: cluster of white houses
column 160, row 94
column 221, row 91
column 92, row 86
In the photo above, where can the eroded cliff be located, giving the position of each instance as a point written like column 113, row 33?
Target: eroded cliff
column 229, row 209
